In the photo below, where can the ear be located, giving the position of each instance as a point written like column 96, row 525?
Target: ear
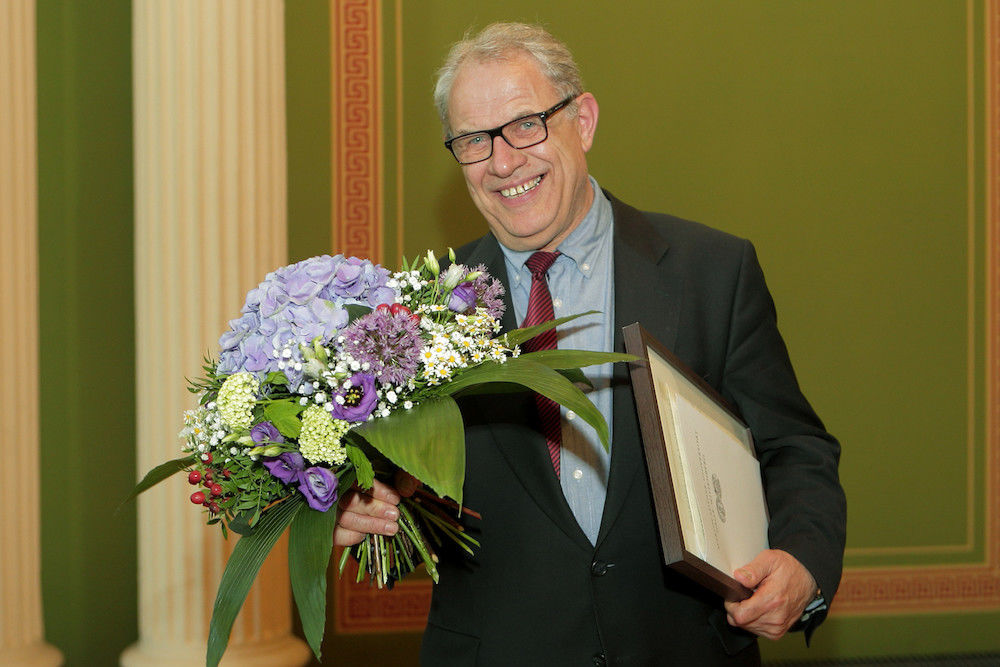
column 586, row 119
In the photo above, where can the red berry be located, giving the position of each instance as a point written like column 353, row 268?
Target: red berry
column 197, row 497
column 226, row 473
column 383, row 307
column 216, row 490
column 208, row 476
column 398, row 308
column 206, row 457
column 213, row 508
column 194, row 477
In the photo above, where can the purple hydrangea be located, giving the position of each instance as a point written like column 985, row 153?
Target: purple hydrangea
column 319, row 486
column 358, row 398
column 297, row 304
column 389, row 343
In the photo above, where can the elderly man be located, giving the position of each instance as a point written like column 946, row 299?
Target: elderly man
column 570, row 571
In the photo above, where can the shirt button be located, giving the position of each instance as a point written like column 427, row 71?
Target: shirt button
column 577, row 474
column 585, row 267
column 570, row 415
column 557, row 303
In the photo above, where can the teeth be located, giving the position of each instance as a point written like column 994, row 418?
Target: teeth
column 521, row 189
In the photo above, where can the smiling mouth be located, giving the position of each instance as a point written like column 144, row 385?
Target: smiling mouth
column 521, row 189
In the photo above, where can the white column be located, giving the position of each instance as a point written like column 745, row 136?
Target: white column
column 210, row 222
column 21, row 634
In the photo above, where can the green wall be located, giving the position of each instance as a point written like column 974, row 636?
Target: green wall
column 831, row 132
column 87, row 333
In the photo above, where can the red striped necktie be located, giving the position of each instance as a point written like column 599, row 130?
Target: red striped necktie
column 540, row 310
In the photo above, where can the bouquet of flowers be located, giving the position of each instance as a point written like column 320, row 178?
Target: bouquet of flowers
column 338, row 371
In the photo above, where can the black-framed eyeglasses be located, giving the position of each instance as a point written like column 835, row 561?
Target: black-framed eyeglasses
column 521, row 132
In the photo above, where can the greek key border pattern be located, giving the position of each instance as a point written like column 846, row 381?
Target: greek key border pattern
column 960, row 587
column 356, row 110
column 356, row 72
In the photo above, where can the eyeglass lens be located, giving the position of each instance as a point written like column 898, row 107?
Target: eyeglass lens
column 520, row 133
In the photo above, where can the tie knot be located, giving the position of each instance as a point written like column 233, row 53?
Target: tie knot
column 540, row 262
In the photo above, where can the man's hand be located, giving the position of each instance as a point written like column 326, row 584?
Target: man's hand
column 373, row 511
column 782, row 587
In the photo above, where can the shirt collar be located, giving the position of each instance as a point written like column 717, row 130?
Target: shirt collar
column 582, row 244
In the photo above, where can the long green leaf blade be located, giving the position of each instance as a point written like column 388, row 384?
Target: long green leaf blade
column 428, row 442
column 518, row 336
column 566, row 359
column 310, row 543
column 539, row 378
column 242, row 569
column 158, row 474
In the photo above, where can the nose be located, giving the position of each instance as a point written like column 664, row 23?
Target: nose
column 505, row 159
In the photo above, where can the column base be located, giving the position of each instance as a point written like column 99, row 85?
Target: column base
column 36, row 655
column 287, row 652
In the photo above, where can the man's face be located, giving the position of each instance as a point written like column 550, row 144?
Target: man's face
column 552, row 175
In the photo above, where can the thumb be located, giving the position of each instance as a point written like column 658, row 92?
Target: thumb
column 754, row 572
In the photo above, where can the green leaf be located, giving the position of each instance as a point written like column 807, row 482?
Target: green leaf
column 276, row 378
column 158, row 474
column 569, row 359
column 427, row 441
column 356, row 310
column 285, row 417
column 242, row 569
column 539, row 378
column 241, row 522
column 310, row 543
column 365, row 472
column 518, row 336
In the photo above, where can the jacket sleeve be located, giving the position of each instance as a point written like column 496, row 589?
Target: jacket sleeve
column 798, row 458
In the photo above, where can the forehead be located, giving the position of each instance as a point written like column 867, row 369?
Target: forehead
column 488, row 94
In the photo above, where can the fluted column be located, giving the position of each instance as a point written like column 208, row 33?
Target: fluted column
column 21, row 635
column 210, row 223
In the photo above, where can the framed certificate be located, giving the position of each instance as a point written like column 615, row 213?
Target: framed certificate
column 703, row 470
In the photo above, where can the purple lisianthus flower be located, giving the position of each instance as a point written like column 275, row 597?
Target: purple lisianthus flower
column 463, row 298
column 266, row 433
column 390, row 344
column 288, row 467
column 319, row 486
column 358, row 399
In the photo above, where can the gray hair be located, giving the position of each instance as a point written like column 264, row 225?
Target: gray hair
column 503, row 41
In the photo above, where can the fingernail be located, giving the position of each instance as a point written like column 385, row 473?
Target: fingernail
column 391, row 528
column 392, row 513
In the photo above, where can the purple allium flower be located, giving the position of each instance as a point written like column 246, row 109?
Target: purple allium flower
column 359, row 399
column 319, row 486
column 390, row 344
column 463, row 298
column 288, row 467
column 266, row 433
column 490, row 292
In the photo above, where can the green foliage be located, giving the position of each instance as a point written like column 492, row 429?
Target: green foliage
column 428, row 442
column 362, row 466
column 310, row 543
column 241, row 570
column 284, row 414
column 158, row 474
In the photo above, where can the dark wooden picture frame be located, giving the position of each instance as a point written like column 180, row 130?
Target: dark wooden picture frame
column 660, row 446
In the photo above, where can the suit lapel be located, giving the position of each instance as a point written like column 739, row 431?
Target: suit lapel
column 645, row 292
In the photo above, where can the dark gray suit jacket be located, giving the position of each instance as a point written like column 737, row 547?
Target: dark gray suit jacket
column 537, row 592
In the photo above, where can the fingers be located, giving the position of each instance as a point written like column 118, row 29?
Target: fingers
column 782, row 588
column 367, row 512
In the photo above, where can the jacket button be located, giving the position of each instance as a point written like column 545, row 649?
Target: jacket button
column 600, row 660
column 599, row 568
